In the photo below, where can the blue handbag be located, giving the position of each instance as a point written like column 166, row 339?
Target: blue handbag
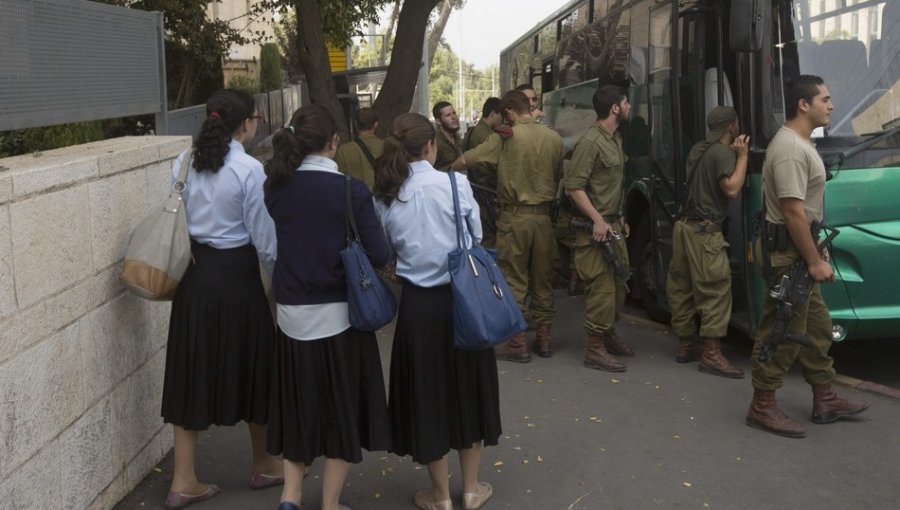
column 370, row 302
column 485, row 313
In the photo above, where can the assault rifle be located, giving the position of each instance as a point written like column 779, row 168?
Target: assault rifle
column 792, row 290
column 609, row 253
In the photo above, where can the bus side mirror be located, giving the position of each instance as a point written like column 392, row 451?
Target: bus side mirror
column 748, row 18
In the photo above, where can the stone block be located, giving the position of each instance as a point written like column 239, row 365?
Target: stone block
column 117, row 206
column 112, row 345
column 32, row 324
column 7, row 284
column 171, row 146
column 143, row 396
column 51, row 241
column 159, row 183
column 145, row 460
column 87, row 459
column 54, row 173
column 35, row 484
column 112, row 494
column 6, row 188
column 41, row 394
column 128, row 154
column 156, row 317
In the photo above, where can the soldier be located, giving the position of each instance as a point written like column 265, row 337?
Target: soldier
column 793, row 185
column 594, row 183
column 529, row 164
column 531, row 94
column 699, row 278
column 484, row 180
column 448, row 144
column 357, row 157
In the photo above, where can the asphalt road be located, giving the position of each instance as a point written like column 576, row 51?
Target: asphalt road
column 661, row 435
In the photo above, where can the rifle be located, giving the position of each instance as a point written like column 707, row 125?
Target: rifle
column 609, row 253
column 792, row 290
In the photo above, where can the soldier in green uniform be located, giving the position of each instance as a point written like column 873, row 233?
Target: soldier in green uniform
column 793, row 185
column 357, row 157
column 594, row 183
column 699, row 278
column 448, row 144
column 484, row 180
column 529, row 165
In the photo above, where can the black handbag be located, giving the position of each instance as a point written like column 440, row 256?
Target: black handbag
column 485, row 313
column 370, row 302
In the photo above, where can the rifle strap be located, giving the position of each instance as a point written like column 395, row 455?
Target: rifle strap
column 690, row 180
column 366, row 152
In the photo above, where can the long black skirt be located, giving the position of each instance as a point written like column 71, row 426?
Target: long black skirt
column 441, row 397
column 329, row 398
column 221, row 342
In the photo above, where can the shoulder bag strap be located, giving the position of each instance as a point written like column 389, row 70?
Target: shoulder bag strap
column 690, row 182
column 179, row 185
column 365, row 150
column 352, row 232
column 460, row 238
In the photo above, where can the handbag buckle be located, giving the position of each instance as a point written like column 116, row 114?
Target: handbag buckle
column 498, row 291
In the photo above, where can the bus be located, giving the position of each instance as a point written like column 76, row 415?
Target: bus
column 679, row 59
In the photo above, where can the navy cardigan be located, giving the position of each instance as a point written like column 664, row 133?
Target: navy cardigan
column 310, row 223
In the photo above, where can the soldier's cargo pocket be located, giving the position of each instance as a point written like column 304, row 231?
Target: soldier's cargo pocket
column 715, row 258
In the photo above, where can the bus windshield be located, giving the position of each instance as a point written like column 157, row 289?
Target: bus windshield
column 854, row 45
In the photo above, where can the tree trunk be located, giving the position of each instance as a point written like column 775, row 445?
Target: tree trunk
column 437, row 31
column 392, row 22
column 312, row 53
column 399, row 85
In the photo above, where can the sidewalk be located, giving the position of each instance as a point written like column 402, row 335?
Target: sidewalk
column 660, row 435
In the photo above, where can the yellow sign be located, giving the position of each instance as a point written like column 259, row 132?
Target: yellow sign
column 337, row 58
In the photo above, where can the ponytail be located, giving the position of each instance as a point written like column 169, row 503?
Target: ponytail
column 226, row 110
column 310, row 130
column 408, row 134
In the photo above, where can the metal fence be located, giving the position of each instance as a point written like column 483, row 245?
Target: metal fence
column 67, row 61
column 276, row 108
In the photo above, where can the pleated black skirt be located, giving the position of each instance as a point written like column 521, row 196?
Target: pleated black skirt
column 441, row 398
column 221, row 342
column 329, row 398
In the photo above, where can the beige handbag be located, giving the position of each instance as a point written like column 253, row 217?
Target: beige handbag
column 159, row 251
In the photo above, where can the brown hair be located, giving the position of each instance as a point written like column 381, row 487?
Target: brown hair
column 310, row 130
column 517, row 101
column 366, row 119
column 408, row 134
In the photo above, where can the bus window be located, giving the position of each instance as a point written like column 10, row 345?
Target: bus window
column 601, row 9
column 575, row 21
column 660, row 88
column 597, row 55
column 547, row 40
column 570, row 58
column 607, row 49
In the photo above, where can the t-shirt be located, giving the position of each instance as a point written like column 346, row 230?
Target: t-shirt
column 529, row 163
column 715, row 163
column 597, row 167
column 793, row 169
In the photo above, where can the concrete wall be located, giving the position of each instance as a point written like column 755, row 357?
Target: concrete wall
column 81, row 361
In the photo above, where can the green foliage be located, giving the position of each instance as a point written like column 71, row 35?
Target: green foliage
column 444, row 82
column 25, row 141
column 246, row 83
column 341, row 19
column 269, row 67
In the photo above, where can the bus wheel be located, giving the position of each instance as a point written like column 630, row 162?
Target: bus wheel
column 643, row 281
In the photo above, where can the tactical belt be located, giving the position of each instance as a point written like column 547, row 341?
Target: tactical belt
column 704, row 226
column 543, row 209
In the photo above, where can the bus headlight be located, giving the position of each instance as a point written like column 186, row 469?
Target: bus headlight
column 838, row 333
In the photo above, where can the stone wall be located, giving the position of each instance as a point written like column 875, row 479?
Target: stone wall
column 81, row 360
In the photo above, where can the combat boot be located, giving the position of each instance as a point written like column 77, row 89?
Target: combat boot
column 615, row 346
column 597, row 356
column 576, row 286
column 829, row 407
column 687, row 352
column 712, row 361
column 542, row 345
column 515, row 349
column 764, row 414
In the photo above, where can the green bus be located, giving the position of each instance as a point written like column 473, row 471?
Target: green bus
column 680, row 58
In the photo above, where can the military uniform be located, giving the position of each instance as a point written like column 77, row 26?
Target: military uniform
column 351, row 159
column 793, row 169
column 485, row 181
column 597, row 167
column 447, row 151
column 528, row 165
column 784, row 176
